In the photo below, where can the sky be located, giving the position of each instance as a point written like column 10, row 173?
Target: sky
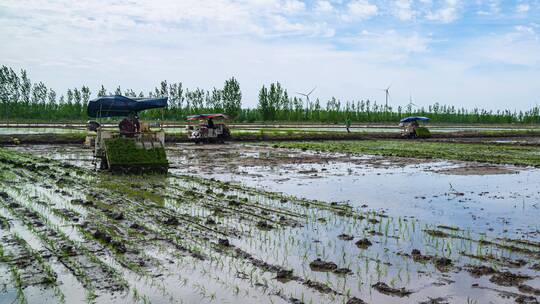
column 477, row 53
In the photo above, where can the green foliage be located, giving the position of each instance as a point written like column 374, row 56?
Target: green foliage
column 124, row 152
column 492, row 153
column 21, row 100
column 274, row 103
column 423, row 132
column 232, row 97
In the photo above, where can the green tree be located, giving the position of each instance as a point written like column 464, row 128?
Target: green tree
column 77, row 98
column 102, row 92
column 216, row 100
column 52, row 97
column 231, row 97
column 163, row 91
column 263, row 105
column 26, row 88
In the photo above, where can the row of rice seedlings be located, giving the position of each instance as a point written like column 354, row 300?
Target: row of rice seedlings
column 387, row 224
column 63, row 257
column 343, row 250
column 204, row 206
column 15, row 276
column 51, row 275
column 162, row 212
column 128, row 205
column 88, row 236
column 215, row 203
column 471, row 246
column 231, row 265
column 243, row 198
column 272, row 195
column 72, row 263
column 180, row 240
column 275, row 245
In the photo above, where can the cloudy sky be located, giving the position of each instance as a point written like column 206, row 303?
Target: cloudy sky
column 471, row 53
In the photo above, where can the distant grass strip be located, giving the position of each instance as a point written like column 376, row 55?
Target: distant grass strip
column 491, row 153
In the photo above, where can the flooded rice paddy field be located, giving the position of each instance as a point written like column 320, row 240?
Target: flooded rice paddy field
column 254, row 224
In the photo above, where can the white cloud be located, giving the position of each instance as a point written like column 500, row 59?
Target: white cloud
column 445, row 14
column 403, row 10
column 390, row 45
column 360, row 10
column 282, row 24
column 323, row 6
column 294, row 6
column 137, row 43
column 523, row 30
column 493, row 7
column 520, row 47
column 211, row 17
column 522, row 8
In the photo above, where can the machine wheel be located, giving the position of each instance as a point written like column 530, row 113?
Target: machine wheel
column 226, row 133
column 103, row 164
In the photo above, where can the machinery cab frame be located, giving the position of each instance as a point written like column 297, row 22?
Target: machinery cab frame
column 208, row 128
column 133, row 147
column 412, row 129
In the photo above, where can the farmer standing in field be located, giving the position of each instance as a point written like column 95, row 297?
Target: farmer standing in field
column 348, row 124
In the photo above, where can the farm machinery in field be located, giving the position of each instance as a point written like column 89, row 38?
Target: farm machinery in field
column 133, row 147
column 411, row 127
column 201, row 128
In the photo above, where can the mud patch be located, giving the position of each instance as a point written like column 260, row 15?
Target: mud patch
column 471, row 169
column 384, row 288
column 480, row 270
column 322, row 266
column 508, row 278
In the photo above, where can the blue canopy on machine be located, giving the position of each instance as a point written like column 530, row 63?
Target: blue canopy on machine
column 207, row 116
column 117, row 105
column 414, row 118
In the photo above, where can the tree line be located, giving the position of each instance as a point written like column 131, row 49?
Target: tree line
column 23, row 100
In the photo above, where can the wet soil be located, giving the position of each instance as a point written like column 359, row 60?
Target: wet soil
column 194, row 235
column 478, row 170
column 384, row 288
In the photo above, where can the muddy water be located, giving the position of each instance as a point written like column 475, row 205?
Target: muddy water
column 398, row 203
column 499, row 201
column 502, row 201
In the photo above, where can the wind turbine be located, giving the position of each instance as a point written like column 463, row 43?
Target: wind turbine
column 307, row 95
column 387, row 93
column 410, row 104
